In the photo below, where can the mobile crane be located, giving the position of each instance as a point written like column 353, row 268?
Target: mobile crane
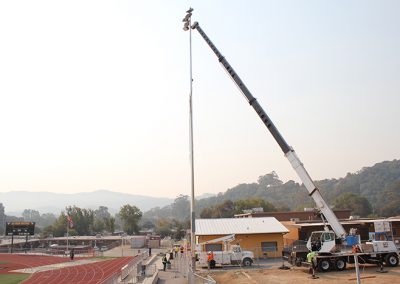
column 333, row 247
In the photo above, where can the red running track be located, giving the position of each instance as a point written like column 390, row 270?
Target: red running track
column 80, row 274
column 10, row 262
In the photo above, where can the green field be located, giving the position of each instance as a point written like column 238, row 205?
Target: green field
column 13, row 278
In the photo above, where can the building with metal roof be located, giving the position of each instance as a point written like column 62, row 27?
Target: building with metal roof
column 226, row 226
column 263, row 236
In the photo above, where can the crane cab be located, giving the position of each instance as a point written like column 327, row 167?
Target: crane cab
column 322, row 241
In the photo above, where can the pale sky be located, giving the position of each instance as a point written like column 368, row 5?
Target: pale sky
column 94, row 94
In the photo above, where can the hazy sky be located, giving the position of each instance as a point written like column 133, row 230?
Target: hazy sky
column 94, row 94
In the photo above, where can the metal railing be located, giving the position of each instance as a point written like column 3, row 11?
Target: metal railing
column 112, row 279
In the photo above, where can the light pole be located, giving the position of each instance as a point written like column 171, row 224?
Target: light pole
column 188, row 26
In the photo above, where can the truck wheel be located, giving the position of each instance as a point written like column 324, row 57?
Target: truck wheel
column 324, row 265
column 340, row 264
column 392, row 260
column 247, row 262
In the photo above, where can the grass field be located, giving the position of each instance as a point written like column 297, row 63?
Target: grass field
column 13, row 278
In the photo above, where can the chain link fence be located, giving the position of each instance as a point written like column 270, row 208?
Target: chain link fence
column 196, row 278
column 181, row 265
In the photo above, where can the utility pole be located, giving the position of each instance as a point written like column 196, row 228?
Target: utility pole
column 187, row 26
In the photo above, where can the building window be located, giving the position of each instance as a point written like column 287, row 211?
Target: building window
column 269, row 246
column 213, row 247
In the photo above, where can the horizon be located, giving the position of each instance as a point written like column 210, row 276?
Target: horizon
column 14, row 205
column 95, row 94
column 197, row 195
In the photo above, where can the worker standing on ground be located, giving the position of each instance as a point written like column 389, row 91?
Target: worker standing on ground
column 164, row 261
column 72, row 254
column 176, row 251
column 181, row 251
column 210, row 260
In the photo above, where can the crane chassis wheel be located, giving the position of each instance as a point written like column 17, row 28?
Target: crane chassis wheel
column 392, row 260
column 324, row 265
column 340, row 264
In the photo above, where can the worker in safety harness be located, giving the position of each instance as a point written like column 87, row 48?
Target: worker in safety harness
column 311, row 260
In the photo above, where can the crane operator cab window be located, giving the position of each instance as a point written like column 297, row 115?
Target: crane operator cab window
column 328, row 237
column 316, row 241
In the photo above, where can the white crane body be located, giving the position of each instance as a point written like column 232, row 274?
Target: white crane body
column 333, row 248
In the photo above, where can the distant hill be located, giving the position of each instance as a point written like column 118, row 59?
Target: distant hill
column 47, row 202
column 379, row 184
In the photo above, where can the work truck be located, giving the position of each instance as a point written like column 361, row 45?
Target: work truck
column 229, row 255
column 333, row 247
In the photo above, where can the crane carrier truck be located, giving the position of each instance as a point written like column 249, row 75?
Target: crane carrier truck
column 333, row 248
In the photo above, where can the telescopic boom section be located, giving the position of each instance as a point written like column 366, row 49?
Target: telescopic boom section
column 287, row 150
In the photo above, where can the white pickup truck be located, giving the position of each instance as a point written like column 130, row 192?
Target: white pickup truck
column 235, row 256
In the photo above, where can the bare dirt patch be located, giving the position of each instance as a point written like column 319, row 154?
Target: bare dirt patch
column 300, row 275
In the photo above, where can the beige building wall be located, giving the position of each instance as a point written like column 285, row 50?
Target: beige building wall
column 293, row 234
column 252, row 242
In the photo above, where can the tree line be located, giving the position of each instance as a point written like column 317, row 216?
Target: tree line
column 372, row 191
column 80, row 221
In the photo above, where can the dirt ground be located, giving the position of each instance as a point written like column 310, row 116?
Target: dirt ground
column 300, row 275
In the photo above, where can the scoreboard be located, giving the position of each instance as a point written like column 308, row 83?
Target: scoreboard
column 20, row 228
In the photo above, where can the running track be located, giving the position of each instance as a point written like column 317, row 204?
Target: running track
column 80, row 274
column 19, row 261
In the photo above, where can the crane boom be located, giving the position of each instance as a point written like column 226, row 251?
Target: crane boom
column 227, row 239
column 289, row 152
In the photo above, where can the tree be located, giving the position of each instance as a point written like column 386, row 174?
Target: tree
column 180, row 209
column 164, row 227
column 206, row 213
column 251, row 203
column 130, row 215
column 102, row 213
column 47, row 219
column 270, row 179
column 109, row 224
column 83, row 220
column 358, row 204
column 47, row 232
column 103, row 220
column 31, row 215
column 98, row 226
column 391, row 200
column 225, row 209
column 2, row 219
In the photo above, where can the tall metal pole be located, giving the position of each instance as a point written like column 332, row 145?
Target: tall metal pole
column 357, row 268
column 187, row 20
column 192, row 203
